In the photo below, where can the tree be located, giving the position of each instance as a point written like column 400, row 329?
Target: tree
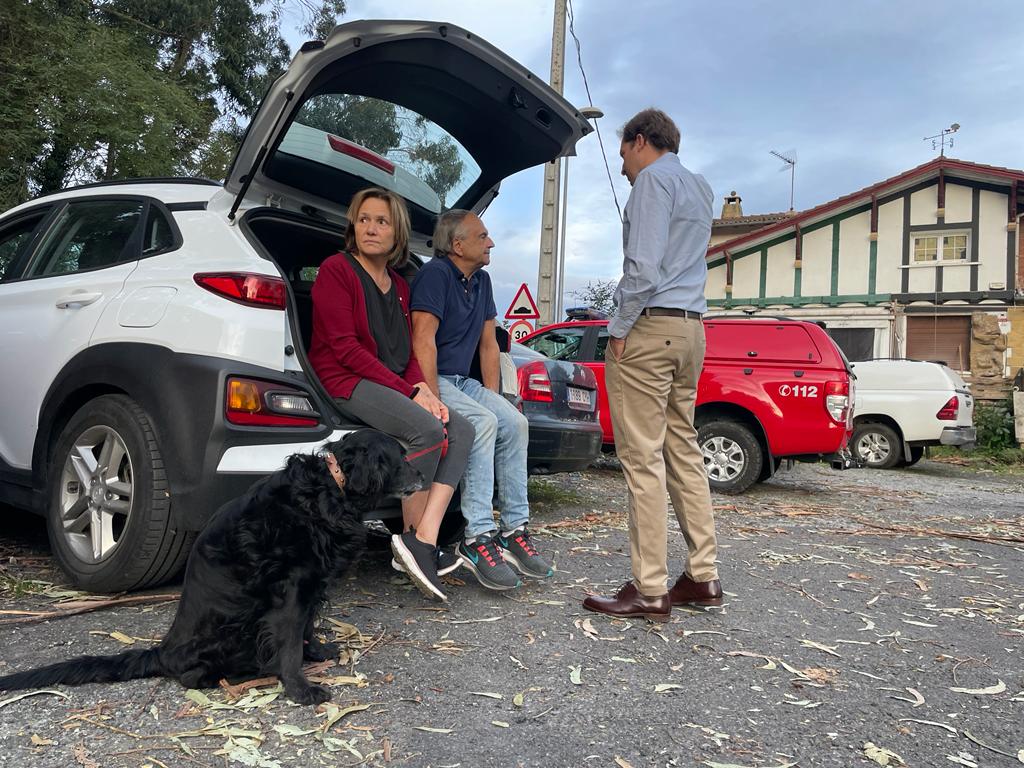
column 99, row 89
column 599, row 295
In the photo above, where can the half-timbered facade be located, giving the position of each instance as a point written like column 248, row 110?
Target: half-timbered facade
column 925, row 265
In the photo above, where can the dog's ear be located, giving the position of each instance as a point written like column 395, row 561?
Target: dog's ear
column 368, row 469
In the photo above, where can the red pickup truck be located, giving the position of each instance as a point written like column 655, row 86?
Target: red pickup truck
column 771, row 389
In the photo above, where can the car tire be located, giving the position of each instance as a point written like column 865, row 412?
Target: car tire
column 876, row 445
column 732, row 455
column 916, row 453
column 109, row 506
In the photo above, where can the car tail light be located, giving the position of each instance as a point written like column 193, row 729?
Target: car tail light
column 361, row 153
column 950, row 410
column 837, row 401
column 534, row 383
column 245, row 287
column 255, row 403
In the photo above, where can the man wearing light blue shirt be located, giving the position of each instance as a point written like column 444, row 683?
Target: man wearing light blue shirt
column 655, row 355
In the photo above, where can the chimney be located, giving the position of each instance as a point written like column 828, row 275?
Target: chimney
column 732, row 208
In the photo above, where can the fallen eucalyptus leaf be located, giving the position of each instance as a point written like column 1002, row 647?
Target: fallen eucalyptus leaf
column 881, row 755
column 517, row 700
column 576, row 675
column 487, row 694
column 663, row 687
column 965, row 759
column 829, row 649
column 949, row 728
column 992, row 689
column 428, row 729
column 335, row 714
column 499, row 723
column 39, row 741
column 293, row 730
column 21, row 696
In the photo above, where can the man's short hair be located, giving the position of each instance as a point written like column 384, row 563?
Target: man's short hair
column 656, row 127
column 448, row 229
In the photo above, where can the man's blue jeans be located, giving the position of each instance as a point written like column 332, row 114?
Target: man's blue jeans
column 498, row 453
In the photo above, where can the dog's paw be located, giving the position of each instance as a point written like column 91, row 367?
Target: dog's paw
column 311, row 694
column 315, row 650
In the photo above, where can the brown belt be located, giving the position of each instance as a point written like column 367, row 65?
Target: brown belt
column 670, row 312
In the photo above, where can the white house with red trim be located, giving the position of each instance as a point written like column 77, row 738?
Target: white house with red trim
column 926, row 264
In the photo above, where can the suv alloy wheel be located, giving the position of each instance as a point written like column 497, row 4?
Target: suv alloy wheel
column 732, row 456
column 108, row 514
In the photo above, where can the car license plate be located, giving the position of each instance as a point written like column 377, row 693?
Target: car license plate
column 579, row 399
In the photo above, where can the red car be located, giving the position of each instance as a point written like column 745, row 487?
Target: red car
column 771, row 389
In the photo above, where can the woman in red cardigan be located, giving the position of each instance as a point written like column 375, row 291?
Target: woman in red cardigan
column 361, row 350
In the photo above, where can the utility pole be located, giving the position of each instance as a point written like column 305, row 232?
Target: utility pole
column 547, row 281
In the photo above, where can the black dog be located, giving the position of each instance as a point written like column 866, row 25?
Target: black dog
column 258, row 574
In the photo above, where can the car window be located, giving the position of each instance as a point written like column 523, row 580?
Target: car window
column 158, row 235
column 384, row 144
column 14, row 239
column 89, row 235
column 559, row 343
column 602, row 345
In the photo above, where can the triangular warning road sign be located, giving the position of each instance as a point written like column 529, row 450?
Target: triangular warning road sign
column 522, row 306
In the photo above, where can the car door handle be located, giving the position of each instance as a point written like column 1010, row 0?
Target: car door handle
column 78, row 299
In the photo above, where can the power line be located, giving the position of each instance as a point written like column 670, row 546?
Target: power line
column 597, row 126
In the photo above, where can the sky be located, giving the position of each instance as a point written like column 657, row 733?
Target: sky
column 852, row 86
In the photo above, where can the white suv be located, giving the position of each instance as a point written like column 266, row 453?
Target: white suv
column 153, row 332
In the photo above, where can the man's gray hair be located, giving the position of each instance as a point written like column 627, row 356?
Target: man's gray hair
column 448, row 229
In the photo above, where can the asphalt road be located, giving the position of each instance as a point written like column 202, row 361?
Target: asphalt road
column 871, row 617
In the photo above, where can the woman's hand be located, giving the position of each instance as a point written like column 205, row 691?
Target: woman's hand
column 428, row 401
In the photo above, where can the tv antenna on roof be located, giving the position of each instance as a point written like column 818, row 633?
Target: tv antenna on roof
column 789, row 158
column 939, row 140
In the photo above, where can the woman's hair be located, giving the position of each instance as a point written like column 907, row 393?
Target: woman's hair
column 399, row 221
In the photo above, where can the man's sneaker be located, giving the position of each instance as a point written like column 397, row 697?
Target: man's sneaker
column 518, row 549
column 447, row 561
column 483, row 557
column 419, row 560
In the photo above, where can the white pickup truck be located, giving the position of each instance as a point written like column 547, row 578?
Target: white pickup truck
column 904, row 405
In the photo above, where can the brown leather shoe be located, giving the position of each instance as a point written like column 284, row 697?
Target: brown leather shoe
column 686, row 591
column 629, row 603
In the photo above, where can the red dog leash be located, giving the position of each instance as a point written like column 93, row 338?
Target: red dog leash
column 443, row 445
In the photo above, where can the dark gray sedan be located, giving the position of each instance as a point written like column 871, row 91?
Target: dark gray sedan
column 560, row 400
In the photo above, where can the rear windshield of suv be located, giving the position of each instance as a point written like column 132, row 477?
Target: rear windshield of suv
column 382, row 144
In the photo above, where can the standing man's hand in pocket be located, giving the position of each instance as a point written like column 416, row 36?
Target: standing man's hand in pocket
column 617, row 347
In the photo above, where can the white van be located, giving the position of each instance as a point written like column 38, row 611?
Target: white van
column 904, row 405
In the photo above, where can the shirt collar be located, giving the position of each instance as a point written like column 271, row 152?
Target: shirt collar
column 461, row 278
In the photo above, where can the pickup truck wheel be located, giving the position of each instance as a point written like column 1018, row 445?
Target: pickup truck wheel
column 108, row 515
column 877, row 445
column 732, row 456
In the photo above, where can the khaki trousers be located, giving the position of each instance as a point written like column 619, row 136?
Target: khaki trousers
column 652, row 390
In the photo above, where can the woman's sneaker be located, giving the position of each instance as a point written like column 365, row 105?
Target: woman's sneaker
column 518, row 549
column 483, row 557
column 447, row 561
column 419, row 560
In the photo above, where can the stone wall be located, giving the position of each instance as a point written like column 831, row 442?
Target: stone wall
column 988, row 358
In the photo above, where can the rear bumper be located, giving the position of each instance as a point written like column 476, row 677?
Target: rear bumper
column 562, row 446
column 961, row 436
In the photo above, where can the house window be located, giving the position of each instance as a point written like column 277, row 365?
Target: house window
column 950, row 246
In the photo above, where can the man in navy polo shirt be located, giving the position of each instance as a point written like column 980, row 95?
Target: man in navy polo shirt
column 452, row 316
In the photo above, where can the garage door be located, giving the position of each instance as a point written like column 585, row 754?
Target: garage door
column 943, row 339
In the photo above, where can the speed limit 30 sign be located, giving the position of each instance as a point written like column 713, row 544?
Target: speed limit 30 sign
column 520, row 329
